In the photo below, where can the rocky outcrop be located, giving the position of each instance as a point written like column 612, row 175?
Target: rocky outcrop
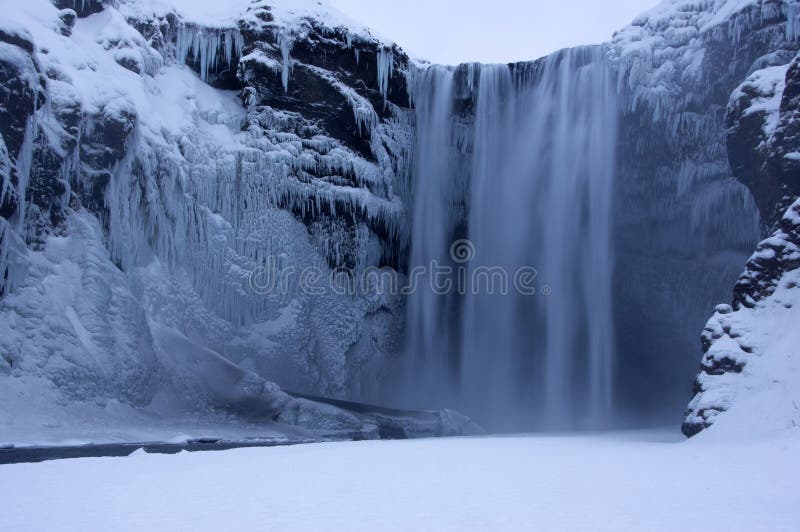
column 763, row 137
column 763, row 145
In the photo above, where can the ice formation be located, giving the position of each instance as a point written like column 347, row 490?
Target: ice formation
column 208, row 47
column 174, row 194
column 385, row 70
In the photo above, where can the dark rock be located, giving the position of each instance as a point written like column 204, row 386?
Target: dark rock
column 102, row 148
column 774, row 257
column 130, row 64
column 758, row 158
column 82, row 8
column 67, row 17
column 323, row 59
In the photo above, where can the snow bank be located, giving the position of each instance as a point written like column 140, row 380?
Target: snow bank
column 615, row 482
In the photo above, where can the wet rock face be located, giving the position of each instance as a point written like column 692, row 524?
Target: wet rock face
column 326, row 83
column 102, row 147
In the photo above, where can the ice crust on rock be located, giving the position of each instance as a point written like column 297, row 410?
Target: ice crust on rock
column 174, row 193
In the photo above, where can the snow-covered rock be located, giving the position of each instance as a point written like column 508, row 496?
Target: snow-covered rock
column 750, row 369
column 763, row 138
column 156, row 157
column 749, row 356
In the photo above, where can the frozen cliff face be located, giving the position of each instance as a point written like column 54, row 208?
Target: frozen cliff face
column 158, row 162
column 685, row 225
column 749, row 360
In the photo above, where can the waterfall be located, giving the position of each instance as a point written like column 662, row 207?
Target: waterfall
column 522, row 166
column 430, row 326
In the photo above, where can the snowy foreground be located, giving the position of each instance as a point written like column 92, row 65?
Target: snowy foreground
column 622, row 481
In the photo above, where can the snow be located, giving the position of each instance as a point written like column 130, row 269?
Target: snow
column 293, row 13
column 598, row 482
column 34, row 413
column 768, row 85
column 765, row 397
column 211, row 13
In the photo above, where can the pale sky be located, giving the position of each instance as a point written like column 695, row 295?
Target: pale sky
column 492, row 31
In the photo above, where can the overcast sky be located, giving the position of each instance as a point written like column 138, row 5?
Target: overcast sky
column 492, row 31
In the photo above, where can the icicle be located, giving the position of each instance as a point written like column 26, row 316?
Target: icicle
column 286, row 43
column 792, row 12
column 13, row 266
column 205, row 46
column 5, row 164
column 23, row 173
column 385, row 70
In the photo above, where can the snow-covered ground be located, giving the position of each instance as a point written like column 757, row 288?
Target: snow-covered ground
column 623, row 481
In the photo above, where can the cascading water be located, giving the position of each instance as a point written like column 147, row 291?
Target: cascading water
column 524, row 167
column 430, row 324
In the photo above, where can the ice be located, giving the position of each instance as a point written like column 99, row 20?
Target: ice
column 208, row 47
column 792, row 21
column 285, row 41
column 385, row 70
column 664, row 48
